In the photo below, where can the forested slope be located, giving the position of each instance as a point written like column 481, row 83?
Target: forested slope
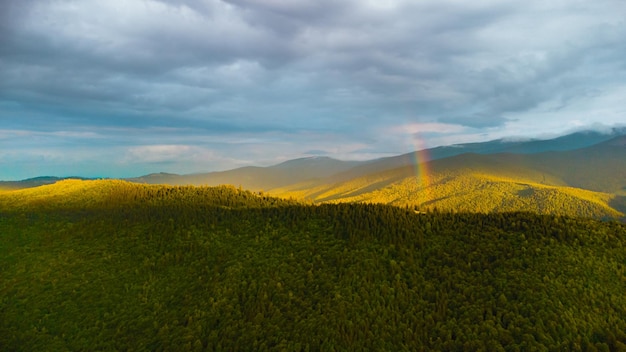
column 473, row 188
column 108, row 265
column 589, row 182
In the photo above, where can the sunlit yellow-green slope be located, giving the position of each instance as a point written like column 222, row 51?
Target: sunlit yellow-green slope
column 584, row 182
column 476, row 187
column 61, row 194
column 102, row 194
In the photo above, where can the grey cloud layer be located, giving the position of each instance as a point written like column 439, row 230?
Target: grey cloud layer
column 282, row 68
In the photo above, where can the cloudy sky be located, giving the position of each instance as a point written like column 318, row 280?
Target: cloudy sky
column 118, row 88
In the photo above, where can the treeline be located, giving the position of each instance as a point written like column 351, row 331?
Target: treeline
column 186, row 268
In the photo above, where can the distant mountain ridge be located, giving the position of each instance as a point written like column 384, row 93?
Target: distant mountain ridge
column 571, row 141
column 35, row 182
column 306, row 169
column 583, row 173
column 258, row 178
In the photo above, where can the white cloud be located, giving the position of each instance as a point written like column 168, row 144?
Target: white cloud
column 427, row 127
column 168, row 154
column 196, row 82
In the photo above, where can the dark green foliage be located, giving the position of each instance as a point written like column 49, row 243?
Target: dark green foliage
column 184, row 268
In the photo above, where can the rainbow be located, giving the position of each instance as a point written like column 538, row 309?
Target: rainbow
column 422, row 173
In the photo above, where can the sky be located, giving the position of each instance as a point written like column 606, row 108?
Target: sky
column 122, row 88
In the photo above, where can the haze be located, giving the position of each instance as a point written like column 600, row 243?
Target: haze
column 125, row 88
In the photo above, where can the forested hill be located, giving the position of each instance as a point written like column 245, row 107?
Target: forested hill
column 109, row 265
column 119, row 195
column 34, row 182
column 465, row 190
column 587, row 182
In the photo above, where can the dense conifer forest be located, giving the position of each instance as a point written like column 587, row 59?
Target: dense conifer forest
column 110, row 265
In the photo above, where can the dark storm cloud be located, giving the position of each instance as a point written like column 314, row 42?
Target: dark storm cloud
column 337, row 76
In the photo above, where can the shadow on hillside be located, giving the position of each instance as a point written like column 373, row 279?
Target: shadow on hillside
column 359, row 190
column 527, row 192
column 618, row 203
column 433, row 201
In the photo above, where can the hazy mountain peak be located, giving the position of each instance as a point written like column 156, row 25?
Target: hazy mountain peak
column 313, row 157
column 308, row 161
column 161, row 174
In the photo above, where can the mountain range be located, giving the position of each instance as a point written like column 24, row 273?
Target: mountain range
column 578, row 174
column 583, row 173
